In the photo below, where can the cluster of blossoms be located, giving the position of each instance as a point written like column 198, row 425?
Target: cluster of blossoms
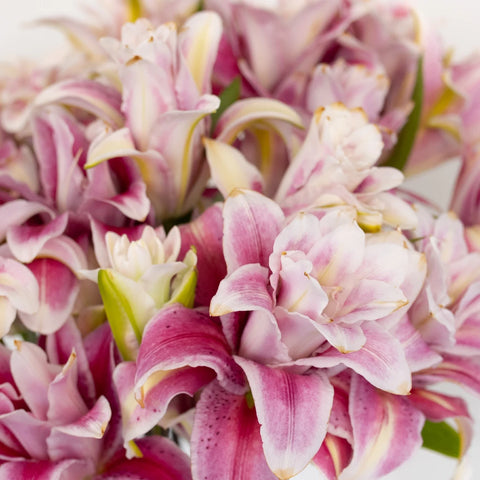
column 205, row 239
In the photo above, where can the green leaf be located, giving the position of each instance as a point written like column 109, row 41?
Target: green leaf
column 120, row 315
column 229, row 95
column 442, row 438
column 406, row 138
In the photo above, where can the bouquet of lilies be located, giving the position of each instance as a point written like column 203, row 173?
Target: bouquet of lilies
column 209, row 266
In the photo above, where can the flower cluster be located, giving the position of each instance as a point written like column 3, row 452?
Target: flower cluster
column 206, row 241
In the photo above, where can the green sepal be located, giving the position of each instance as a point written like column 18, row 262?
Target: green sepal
column 120, row 315
column 406, row 138
column 184, row 285
column 442, row 438
column 229, row 95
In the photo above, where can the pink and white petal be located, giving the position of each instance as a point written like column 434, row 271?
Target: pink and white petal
column 334, row 455
column 17, row 212
column 298, row 290
column 177, row 337
column 26, row 241
column 198, row 42
column 30, row 432
column 226, row 442
column 380, row 180
column 386, row 431
column 92, row 424
column 205, row 235
column 293, row 411
column 131, row 201
column 345, row 338
column 33, row 375
column 65, row 250
column 58, row 292
column 381, row 360
column 418, row 354
column 262, row 339
column 59, row 347
column 173, row 135
column 467, row 337
column 339, row 252
column 459, row 370
column 339, row 423
column 301, row 234
column 370, row 300
column 230, row 169
column 242, row 113
column 141, row 416
column 395, row 211
column 71, row 469
column 19, row 286
column 94, row 97
column 65, row 403
column 251, row 224
column 160, row 459
column 8, row 314
column 81, row 439
column 437, row 406
column 245, row 289
column 118, row 143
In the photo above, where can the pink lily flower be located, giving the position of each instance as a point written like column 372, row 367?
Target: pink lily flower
column 58, row 418
column 334, row 167
column 302, row 300
column 163, row 136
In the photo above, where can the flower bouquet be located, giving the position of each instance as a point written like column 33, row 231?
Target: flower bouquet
column 210, row 268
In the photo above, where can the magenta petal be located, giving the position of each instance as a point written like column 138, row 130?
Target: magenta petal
column 58, row 291
column 251, row 224
column 334, row 455
column 226, row 442
column 177, row 337
column 245, row 289
column 26, row 241
column 16, row 212
column 205, row 235
column 138, row 418
column 386, row 431
column 44, row 470
column 160, row 460
column 293, row 412
column 436, row 406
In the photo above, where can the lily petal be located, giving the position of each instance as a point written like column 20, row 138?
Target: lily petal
column 251, row 224
column 177, row 337
column 226, row 442
column 230, row 169
column 293, row 412
column 378, row 421
column 243, row 290
column 58, row 291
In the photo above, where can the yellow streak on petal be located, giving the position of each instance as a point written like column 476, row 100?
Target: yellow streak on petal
column 332, row 448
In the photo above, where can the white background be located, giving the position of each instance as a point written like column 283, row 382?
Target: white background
column 458, row 21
